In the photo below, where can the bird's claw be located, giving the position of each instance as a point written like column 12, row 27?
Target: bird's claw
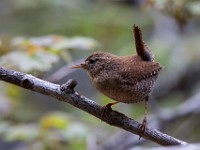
column 142, row 128
column 105, row 109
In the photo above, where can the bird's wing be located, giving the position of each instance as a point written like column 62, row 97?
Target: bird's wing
column 148, row 69
column 140, row 70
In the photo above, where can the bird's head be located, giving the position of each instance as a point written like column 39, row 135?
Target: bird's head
column 96, row 62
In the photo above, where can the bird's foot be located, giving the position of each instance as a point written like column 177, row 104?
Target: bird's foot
column 142, row 127
column 105, row 109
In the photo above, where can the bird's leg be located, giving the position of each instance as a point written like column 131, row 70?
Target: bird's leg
column 105, row 109
column 144, row 122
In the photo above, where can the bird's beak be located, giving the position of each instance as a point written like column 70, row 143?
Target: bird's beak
column 83, row 65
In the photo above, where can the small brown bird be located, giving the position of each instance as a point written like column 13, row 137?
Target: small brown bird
column 126, row 79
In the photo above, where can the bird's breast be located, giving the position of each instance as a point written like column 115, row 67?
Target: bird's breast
column 125, row 90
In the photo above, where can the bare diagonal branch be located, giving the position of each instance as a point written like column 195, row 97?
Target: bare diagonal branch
column 67, row 94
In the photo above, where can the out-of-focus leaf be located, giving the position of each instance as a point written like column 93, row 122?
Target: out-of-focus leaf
column 39, row 53
column 81, row 43
column 57, row 42
column 58, row 123
column 21, row 132
column 25, row 62
column 54, row 120
column 194, row 7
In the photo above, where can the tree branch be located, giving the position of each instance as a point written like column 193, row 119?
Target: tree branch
column 67, row 94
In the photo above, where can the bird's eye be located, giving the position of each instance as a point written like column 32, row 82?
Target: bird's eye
column 92, row 61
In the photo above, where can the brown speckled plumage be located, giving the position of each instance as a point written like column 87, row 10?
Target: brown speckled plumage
column 127, row 79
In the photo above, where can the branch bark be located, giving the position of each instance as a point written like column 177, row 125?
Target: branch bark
column 67, row 94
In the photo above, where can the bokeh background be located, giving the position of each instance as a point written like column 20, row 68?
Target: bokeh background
column 45, row 37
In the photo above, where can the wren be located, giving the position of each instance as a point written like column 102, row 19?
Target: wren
column 126, row 79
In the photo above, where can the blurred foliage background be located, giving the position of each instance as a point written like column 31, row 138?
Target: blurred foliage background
column 45, row 37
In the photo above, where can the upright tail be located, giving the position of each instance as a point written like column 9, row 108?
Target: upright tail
column 141, row 48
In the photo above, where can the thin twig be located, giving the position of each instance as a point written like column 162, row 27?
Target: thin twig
column 67, row 94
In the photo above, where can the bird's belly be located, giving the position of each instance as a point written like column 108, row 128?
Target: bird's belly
column 128, row 93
